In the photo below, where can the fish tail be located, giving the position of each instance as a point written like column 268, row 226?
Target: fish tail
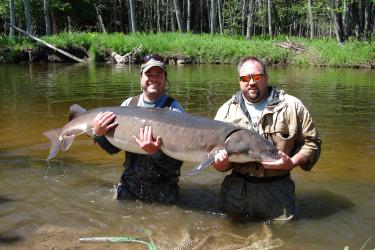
column 56, row 144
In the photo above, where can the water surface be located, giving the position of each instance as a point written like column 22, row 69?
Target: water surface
column 51, row 205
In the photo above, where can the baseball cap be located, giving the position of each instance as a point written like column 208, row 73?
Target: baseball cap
column 152, row 61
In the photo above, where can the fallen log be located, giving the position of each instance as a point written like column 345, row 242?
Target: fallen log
column 48, row 45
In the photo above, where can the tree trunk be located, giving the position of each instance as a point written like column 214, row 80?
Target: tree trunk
column 249, row 19
column 158, row 26
column 369, row 19
column 264, row 18
column 53, row 22
column 166, row 16
column 219, row 16
column 46, row 17
column 269, row 6
column 100, row 20
column 132, row 16
column 311, row 20
column 355, row 19
column 346, row 20
column 12, row 19
column 114, row 15
column 243, row 10
column 69, row 24
column 28, row 16
column 188, row 19
column 178, row 16
column 213, row 12
column 121, row 10
column 173, row 25
column 337, row 21
column 201, row 16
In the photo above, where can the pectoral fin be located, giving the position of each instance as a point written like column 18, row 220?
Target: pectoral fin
column 68, row 140
column 204, row 164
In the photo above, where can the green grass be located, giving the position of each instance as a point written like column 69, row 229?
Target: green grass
column 206, row 48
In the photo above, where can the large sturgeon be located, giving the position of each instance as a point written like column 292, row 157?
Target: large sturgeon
column 184, row 137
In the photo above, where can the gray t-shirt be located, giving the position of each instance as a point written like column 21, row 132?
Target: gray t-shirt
column 255, row 111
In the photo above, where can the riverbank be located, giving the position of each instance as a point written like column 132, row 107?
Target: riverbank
column 189, row 48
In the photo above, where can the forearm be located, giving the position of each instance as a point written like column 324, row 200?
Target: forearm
column 298, row 160
column 106, row 145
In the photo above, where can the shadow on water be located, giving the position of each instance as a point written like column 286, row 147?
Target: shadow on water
column 9, row 238
column 4, row 200
column 321, row 203
column 199, row 198
column 315, row 204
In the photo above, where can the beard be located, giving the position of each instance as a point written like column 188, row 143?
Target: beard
column 252, row 95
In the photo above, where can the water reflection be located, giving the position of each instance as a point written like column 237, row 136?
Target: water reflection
column 54, row 204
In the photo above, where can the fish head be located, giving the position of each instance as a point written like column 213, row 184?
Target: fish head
column 246, row 146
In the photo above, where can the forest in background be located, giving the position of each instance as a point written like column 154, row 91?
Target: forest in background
column 342, row 19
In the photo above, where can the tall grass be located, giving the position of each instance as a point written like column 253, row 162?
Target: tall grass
column 206, row 48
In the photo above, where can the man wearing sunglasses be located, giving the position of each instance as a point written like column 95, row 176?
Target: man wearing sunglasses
column 265, row 190
column 151, row 177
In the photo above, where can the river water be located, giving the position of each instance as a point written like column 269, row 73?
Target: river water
column 51, row 205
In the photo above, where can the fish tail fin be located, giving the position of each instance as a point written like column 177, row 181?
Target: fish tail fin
column 75, row 111
column 53, row 135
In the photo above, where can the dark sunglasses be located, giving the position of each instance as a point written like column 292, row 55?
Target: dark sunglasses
column 153, row 56
column 255, row 78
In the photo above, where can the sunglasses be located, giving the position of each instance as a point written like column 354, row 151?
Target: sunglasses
column 255, row 77
column 153, row 56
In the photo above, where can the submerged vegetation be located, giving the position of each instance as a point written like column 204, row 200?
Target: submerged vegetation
column 192, row 48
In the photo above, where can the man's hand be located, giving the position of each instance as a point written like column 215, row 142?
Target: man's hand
column 284, row 163
column 221, row 161
column 146, row 142
column 103, row 122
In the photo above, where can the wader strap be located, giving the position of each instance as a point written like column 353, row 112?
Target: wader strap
column 134, row 100
column 168, row 102
column 240, row 99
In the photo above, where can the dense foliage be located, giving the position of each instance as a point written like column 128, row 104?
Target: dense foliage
column 206, row 48
column 306, row 18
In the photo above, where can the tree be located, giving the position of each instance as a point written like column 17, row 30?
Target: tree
column 27, row 15
column 337, row 18
column 250, row 11
column 178, row 16
column 100, row 19
column 311, row 21
column 188, row 18
column 213, row 11
column 220, row 16
column 369, row 14
column 231, row 17
column 12, row 19
column 132, row 15
column 269, row 7
column 46, row 17
column 158, row 18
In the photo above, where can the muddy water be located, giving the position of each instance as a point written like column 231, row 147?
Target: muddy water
column 51, row 205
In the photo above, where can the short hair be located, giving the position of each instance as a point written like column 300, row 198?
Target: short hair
column 254, row 59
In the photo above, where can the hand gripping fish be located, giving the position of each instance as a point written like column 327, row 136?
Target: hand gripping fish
column 185, row 137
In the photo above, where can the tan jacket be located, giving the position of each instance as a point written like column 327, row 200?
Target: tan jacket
column 286, row 122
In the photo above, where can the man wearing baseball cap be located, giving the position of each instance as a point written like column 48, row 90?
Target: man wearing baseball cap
column 151, row 177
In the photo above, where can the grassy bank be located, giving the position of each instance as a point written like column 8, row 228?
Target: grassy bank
column 204, row 48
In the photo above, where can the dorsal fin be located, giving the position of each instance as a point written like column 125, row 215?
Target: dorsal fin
column 75, row 111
